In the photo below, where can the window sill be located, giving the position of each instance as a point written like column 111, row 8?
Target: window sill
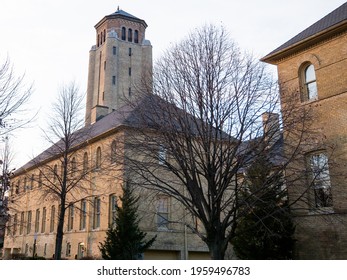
column 163, row 229
column 309, row 101
column 322, row 211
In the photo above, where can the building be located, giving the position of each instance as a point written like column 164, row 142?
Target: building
column 120, row 59
column 312, row 69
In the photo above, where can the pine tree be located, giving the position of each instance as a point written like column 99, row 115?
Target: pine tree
column 125, row 240
column 266, row 230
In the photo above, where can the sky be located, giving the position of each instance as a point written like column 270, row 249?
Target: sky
column 49, row 41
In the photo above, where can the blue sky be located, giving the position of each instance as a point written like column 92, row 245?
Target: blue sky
column 49, row 41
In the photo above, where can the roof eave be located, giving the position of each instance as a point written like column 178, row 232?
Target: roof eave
column 275, row 57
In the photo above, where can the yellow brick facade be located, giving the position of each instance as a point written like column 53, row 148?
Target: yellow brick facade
column 33, row 225
column 320, row 234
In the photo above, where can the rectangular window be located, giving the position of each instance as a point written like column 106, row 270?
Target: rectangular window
column 104, row 65
column 9, row 223
column 29, row 222
column 68, row 249
column 37, row 220
column 96, row 213
column 129, row 51
column 129, row 71
column 114, row 50
column 70, row 217
column 321, row 180
column 162, row 154
column 15, row 221
column 163, row 212
column 83, row 215
column 113, row 209
column 43, row 224
column 45, row 250
column 21, row 223
column 52, row 222
column 113, row 80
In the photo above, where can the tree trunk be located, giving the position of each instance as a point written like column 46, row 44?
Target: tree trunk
column 217, row 246
column 60, row 233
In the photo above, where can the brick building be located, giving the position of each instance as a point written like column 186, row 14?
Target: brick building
column 312, row 65
column 312, row 69
column 120, row 59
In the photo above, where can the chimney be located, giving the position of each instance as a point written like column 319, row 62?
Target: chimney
column 271, row 127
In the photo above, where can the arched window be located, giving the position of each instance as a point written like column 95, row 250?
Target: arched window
column 123, row 33
column 17, row 187
column 32, row 181
column 130, row 35
column 85, row 163
column 55, row 173
column 113, row 152
column 309, row 83
column 73, row 166
column 136, row 36
column 40, row 179
column 25, row 184
column 98, row 158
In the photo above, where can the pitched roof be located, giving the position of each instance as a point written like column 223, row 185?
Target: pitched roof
column 121, row 14
column 150, row 112
column 329, row 23
column 109, row 122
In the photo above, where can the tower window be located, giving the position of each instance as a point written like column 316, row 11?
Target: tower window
column 114, row 50
column 129, row 91
column 104, row 35
column 129, row 71
column 130, row 35
column 123, row 33
column 113, row 80
column 98, row 40
column 105, row 65
column 136, row 36
column 130, row 51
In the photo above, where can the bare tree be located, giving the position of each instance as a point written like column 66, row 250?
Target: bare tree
column 6, row 156
column 61, row 172
column 14, row 95
column 201, row 125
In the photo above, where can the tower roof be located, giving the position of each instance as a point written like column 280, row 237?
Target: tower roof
column 122, row 15
column 331, row 24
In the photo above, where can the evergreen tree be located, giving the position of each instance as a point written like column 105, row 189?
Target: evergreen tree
column 265, row 231
column 125, row 240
